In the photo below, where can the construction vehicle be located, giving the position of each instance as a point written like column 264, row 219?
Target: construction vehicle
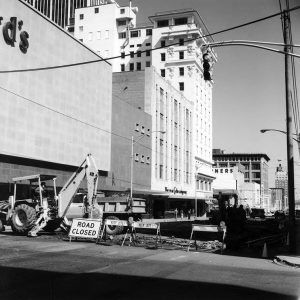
column 30, row 215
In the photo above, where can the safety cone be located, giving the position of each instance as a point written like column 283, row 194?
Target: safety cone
column 265, row 251
column 288, row 239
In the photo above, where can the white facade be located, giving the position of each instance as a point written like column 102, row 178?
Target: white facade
column 112, row 33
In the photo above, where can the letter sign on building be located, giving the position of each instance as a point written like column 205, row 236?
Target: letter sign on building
column 9, row 31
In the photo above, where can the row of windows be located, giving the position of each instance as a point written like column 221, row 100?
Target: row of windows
column 133, row 33
column 98, row 34
column 163, row 55
column 177, row 21
column 138, row 66
column 180, row 69
column 141, row 128
column 137, row 54
column 142, row 158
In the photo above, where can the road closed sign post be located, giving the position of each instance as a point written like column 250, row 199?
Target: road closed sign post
column 85, row 228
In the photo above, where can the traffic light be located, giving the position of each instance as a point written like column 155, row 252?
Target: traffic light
column 206, row 66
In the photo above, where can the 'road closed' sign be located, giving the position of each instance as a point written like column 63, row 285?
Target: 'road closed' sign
column 85, row 228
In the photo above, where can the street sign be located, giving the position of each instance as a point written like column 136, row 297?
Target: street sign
column 85, row 228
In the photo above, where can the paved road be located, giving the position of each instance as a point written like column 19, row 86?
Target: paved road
column 50, row 268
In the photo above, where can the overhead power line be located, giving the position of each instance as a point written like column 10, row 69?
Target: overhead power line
column 153, row 49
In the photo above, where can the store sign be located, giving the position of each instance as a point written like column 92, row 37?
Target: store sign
column 223, row 170
column 85, row 228
column 175, row 191
column 10, row 30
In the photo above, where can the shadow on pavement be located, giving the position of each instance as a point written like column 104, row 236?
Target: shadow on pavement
column 17, row 283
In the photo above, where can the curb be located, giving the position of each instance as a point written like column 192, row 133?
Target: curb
column 289, row 261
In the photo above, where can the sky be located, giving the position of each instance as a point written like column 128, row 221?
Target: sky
column 249, row 84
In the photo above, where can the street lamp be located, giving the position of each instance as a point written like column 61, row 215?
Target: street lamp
column 284, row 132
column 138, row 138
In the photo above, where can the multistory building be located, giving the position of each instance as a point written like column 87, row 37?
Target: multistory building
column 281, row 179
column 256, row 166
column 50, row 119
column 177, row 37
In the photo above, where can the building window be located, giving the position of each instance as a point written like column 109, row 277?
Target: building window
column 148, row 160
column 81, row 40
column 122, row 67
column 139, row 53
column 122, row 11
column 143, row 130
column 131, row 67
column 181, row 71
column 181, row 54
column 96, row 10
column 131, row 46
column 163, row 56
column 90, row 36
column 180, row 21
column 148, row 31
column 107, row 34
column 148, row 132
column 143, row 159
column 122, row 23
column 80, row 28
column 131, row 54
column 137, row 127
column 122, row 54
column 135, row 33
column 139, row 45
column 181, row 42
column 136, row 157
column 148, row 64
column 163, row 23
column 98, row 35
column 163, row 73
column 81, row 16
column 138, row 66
column 163, row 43
column 148, row 53
column 122, row 35
column 181, row 86
column 161, row 171
column 148, row 44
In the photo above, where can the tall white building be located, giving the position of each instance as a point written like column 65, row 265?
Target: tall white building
column 111, row 30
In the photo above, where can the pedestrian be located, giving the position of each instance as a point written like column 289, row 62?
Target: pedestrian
column 189, row 214
column 176, row 213
column 181, row 214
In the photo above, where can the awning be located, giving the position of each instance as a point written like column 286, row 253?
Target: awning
column 226, row 192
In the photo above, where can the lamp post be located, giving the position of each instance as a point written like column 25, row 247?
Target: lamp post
column 138, row 138
column 291, row 185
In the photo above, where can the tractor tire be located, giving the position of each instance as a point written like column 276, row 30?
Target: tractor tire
column 23, row 219
column 2, row 228
column 113, row 230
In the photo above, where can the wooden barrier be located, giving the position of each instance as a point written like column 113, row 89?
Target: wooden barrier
column 111, row 222
column 207, row 228
column 140, row 225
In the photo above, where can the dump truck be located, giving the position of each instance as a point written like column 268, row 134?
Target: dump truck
column 38, row 211
column 116, row 208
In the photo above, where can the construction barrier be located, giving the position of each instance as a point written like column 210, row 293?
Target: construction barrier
column 207, row 228
column 140, row 225
column 111, row 222
column 85, row 228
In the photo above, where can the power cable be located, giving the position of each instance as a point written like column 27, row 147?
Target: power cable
column 153, row 49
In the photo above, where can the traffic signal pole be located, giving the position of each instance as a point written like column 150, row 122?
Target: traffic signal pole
column 289, row 123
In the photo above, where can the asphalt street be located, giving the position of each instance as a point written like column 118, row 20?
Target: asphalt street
column 51, row 268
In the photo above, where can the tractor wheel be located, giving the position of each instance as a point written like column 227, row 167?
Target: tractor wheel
column 113, row 230
column 2, row 228
column 23, row 218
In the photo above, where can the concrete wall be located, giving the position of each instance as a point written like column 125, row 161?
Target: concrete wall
column 128, row 121
column 56, row 115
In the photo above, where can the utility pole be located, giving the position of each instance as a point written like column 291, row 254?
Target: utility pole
column 289, row 123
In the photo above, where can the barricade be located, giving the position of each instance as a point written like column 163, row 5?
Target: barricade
column 111, row 222
column 207, row 228
column 140, row 225
column 85, row 228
